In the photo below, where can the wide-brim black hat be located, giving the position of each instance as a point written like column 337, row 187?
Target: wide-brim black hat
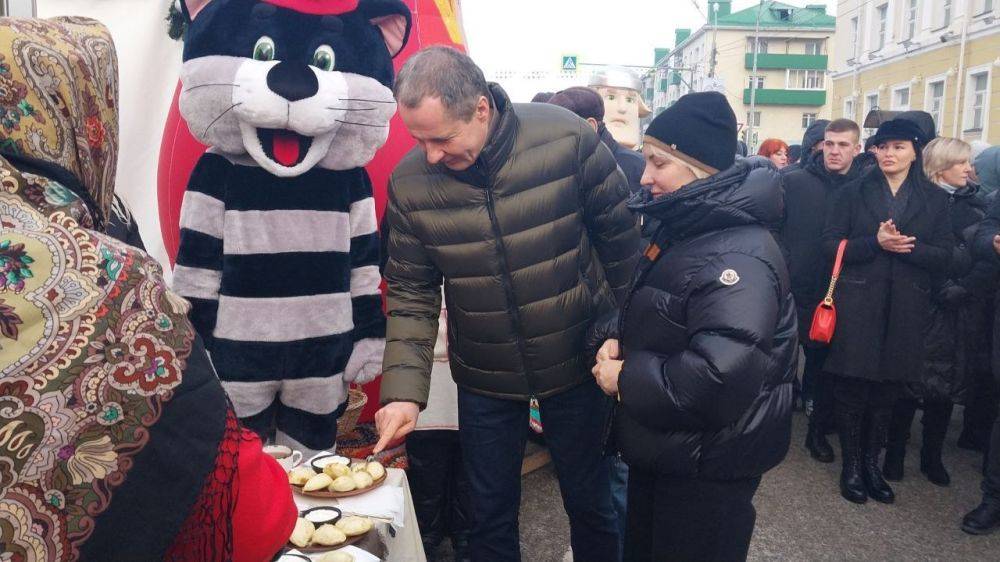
column 899, row 129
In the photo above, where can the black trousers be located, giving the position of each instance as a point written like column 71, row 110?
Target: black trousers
column 937, row 414
column 688, row 519
column 818, row 385
column 991, row 468
column 980, row 408
column 439, row 486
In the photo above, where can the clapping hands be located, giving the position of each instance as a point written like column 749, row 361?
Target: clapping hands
column 890, row 239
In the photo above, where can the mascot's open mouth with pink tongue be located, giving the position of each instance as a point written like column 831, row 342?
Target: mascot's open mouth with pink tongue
column 279, row 249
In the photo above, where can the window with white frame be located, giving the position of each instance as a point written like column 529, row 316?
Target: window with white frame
column 814, row 47
column 910, row 19
column 762, row 45
column 756, row 119
column 797, row 79
column 934, row 102
column 849, row 108
column 881, row 21
column 901, row 99
column 945, row 13
column 871, row 103
column 978, row 91
column 984, row 7
column 759, row 80
column 808, row 119
column 854, row 33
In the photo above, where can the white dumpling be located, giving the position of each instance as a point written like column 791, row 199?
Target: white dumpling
column 318, row 482
column 338, row 556
column 328, row 535
column 300, row 475
column 335, row 469
column 343, row 484
column 362, row 480
column 353, row 526
column 302, row 533
column 376, row 469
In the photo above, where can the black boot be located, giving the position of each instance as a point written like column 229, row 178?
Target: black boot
column 892, row 467
column 935, row 422
column 819, row 447
column 875, row 484
column 982, row 520
column 852, row 484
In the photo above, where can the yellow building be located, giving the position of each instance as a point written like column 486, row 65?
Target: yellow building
column 939, row 56
column 790, row 88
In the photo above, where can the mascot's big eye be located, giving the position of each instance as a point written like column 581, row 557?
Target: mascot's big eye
column 264, row 49
column 324, row 58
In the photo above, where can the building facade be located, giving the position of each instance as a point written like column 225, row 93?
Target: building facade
column 790, row 87
column 940, row 56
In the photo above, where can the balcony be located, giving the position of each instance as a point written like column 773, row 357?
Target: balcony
column 774, row 62
column 675, row 78
column 786, row 97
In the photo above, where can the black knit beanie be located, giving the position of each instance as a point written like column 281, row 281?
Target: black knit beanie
column 701, row 126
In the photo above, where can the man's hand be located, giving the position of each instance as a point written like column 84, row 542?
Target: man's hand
column 609, row 350
column 606, row 373
column 891, row 240
column 394, row 421
column 996, row 243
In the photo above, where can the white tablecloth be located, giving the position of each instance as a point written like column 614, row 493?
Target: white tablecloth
column 402, row 545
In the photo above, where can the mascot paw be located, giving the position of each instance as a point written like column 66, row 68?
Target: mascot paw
column 366, row 361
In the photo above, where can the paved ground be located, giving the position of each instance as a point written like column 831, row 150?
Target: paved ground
column 801, row 516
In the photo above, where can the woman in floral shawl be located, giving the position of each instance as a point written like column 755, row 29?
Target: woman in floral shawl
column 116, row 439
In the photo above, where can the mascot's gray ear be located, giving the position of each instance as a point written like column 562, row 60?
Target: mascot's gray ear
column 190, row 8
column 392, row 17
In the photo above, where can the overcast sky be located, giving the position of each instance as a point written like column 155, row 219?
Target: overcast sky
column 527, row 35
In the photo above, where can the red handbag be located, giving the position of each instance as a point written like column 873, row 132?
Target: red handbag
column 825, row 317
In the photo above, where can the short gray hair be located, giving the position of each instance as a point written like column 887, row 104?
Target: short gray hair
column 444, row 73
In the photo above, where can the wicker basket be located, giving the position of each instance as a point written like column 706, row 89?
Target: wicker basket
column 356, row 400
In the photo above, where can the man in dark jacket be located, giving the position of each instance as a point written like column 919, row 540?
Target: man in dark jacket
column 986, row 517
column 812, row 142
column 589, row 105
column 520, row 210
column 809, row 192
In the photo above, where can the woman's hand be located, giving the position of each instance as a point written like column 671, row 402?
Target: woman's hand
column 606, row 373
column 891, row 240
column 609, row 350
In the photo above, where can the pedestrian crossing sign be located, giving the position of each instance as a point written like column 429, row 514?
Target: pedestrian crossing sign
column 569, row 63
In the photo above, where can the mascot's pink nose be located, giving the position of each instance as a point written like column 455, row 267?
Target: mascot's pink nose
column 292, row 81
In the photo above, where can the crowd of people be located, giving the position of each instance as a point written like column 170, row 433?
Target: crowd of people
column 653, row 306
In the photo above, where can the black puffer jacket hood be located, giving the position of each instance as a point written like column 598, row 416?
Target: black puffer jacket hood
column 749, row 192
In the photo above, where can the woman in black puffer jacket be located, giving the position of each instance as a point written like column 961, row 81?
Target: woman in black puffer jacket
column 708, row 342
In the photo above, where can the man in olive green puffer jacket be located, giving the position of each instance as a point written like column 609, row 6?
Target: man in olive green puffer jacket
column 520, row 210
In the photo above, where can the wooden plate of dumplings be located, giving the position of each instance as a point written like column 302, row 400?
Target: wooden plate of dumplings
column 337, row 480
column 308, row 537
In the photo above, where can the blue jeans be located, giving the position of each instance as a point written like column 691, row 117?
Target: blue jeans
column 618, row 473
column 493, row 432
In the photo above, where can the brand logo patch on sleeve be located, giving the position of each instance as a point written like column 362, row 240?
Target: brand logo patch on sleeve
column 729, row 277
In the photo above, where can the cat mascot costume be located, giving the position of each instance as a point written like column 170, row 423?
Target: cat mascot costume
column 279, row 250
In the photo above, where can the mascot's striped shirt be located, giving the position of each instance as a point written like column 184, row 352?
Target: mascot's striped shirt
column 283, row 277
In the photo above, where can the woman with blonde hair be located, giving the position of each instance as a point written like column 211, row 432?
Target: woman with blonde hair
column 957, row 342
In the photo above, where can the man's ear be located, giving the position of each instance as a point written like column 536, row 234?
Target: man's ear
column 593, row 123
column 393, row 19
column 190, row 8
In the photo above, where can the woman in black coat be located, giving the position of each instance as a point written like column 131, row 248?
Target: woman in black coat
column 704, row 370
column 957, row 343
column 899, row 238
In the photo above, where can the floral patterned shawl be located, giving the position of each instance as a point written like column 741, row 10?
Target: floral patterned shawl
column 59, row 98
